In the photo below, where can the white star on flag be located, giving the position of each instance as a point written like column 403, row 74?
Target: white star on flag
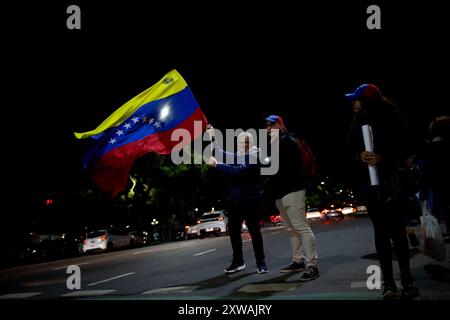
column 119, row 132
column 157, row 124
column 127, row 126
column 135, row 119
column 112, row 141
column 150, row 121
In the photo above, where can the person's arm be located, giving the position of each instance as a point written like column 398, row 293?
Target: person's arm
column 233, row 170
column 219, row 152
column 236, row 169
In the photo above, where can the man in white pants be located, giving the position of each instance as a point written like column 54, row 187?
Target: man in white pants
column 289, row 188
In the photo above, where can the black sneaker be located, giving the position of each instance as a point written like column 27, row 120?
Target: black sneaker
column 294, row 266
column 311, row 273
column 235, row 267
column 410, row 290
column 262, row 267
column 390, row 292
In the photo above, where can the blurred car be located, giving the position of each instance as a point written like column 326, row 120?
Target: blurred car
column 313, row 213
column 276, row 220
column 332, row 213
column 140, row 238
column 348, row 210
column 361, row 211
column 244, row 227
column 178, row 234
column 107, row 240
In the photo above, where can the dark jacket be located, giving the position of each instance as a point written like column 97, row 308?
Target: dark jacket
column 244, row 174
column 392, row 142
column 289, row 177
column 436, row 169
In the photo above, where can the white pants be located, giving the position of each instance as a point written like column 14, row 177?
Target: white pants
column 292, row 210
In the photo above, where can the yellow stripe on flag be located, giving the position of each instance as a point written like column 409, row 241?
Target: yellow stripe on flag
column 170, row 84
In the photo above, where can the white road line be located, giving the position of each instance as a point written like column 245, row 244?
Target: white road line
column 275, row 232
column 172, row 289
column 21, row 295
column 76, row 264
column 363, row 284
column 162, row 249
column 113, row 278
column 204, row 252
column 247, row 240
column 146, row 251
column 87, row 293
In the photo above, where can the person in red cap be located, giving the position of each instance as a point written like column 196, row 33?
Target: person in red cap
column 387, row 202
column 289, row 188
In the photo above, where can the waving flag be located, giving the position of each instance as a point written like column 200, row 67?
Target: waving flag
column 142, row 125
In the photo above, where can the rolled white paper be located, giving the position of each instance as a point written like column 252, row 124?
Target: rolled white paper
column 368, row 143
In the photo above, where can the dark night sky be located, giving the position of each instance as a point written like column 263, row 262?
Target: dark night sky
column 241, row 62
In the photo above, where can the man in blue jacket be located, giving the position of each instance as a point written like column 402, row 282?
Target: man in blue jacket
column 244, row 200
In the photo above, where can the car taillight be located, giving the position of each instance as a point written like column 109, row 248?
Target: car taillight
column 102, row 238
column 220, row 218
column 85, row 241
column 198, row 221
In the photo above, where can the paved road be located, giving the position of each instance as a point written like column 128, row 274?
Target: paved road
column 194, row 270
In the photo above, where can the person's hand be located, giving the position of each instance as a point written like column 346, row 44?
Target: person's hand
column 210, row 130
column 423, row 195
column 370, row 158
column 212, row 162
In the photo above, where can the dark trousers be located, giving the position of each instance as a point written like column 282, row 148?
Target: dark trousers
column 441, row 206
column 389, row 222
column 248, row 210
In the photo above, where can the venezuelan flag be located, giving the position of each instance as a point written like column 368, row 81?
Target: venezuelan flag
column 142, row 125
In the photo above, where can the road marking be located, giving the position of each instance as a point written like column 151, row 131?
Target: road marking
column 268, row 287
column 247, row 240
column 40, row 283
column 363, row 284
column 87, row 293
column 162, row 249
column 146, row 251
column 76, row 264
column 172, row 289
column 113, row 278
column 275, row 232
column 204, row 252
column 21, row 295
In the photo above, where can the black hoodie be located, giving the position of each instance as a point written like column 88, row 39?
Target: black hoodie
column 289, row 177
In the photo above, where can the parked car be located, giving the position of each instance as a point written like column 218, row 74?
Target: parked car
column 361, row 211
column 314, row 214
column 332, row 213
column 107, row 240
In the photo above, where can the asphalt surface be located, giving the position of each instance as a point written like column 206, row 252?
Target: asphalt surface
column 193, row 269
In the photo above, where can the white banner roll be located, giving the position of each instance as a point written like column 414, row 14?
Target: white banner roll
column 368, row 143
